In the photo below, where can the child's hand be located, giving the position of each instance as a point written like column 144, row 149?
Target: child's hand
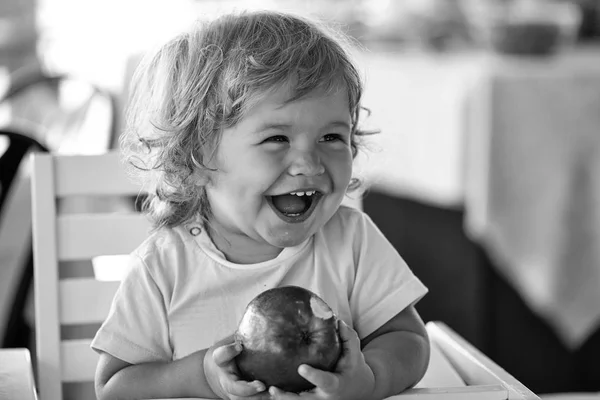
column 223, row 376
column 352, row 378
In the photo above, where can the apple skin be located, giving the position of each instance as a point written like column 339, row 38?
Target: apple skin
column 283, row 328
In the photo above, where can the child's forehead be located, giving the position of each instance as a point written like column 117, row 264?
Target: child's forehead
column 289, row 92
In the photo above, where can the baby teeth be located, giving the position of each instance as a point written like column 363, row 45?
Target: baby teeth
column 308, row 193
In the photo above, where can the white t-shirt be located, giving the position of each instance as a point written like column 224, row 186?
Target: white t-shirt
column 181, row 295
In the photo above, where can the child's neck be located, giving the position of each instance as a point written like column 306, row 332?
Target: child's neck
column 241, row 249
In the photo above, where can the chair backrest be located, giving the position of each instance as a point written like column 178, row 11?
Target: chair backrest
column 70, row 303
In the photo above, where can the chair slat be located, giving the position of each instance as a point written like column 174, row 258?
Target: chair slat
column 45, row 265
column 85, row 300
column 83, row 236
column 92, row 175
column 78, row 360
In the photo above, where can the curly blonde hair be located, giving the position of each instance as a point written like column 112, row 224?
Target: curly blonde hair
column 204, row 80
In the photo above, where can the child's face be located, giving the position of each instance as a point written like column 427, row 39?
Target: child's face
column 280, row 148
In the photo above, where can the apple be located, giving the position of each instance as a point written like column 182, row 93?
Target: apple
column 283, row 328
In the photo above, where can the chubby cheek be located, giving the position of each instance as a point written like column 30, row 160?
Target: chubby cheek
column 243, row 202
column 248, row 177
column 340, row 167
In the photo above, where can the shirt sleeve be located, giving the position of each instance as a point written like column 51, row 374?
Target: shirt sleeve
column 384, row 284
column 136, row 329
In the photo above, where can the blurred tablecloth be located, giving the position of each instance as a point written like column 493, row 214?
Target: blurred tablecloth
column 516, row 142
column 533, row 185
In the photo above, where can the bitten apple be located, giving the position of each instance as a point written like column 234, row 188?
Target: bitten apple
column 283, row 328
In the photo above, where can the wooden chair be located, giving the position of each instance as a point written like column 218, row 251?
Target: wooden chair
column 457, row 370
column 69, row 304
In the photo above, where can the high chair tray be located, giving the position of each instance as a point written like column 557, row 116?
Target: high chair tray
column 457, row 371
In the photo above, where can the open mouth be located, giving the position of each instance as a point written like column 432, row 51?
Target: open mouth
column 295, row 206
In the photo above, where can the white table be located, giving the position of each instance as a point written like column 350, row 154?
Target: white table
column 16, row 375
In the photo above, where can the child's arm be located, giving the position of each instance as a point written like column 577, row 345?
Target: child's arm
column 182, row 378
column 398, row 353
column 185, row 377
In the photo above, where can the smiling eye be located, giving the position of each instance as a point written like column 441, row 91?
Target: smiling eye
column 333, row 137
column 276, row 139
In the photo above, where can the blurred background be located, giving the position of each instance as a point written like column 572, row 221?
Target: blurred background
column 485, row 174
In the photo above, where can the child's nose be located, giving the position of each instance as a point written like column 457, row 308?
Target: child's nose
column 307, row 164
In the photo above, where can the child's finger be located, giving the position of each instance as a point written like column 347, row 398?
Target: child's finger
column 324, row 380
column 278, row 394
column 349, row 337
column 245, row 389
column 346, row 333
column 351, row 346
column 224, row 354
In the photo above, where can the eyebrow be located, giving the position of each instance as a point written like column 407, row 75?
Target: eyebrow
column 283, row 126
column 267, row 126
column 340, row 124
